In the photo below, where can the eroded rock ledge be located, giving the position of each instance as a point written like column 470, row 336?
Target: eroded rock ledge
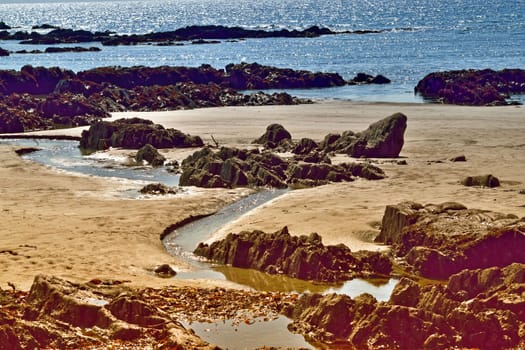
column 303, row 257
column 437, row 241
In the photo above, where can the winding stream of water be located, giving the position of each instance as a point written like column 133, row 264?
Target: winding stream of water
column 66, row 156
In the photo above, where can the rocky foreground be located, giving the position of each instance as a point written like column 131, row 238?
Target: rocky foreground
column 481, row 306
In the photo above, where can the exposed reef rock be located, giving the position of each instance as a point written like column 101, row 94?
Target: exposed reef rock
column 194, row 33
column 437, row 241
column 472, row 87
column 303, row 257
column 476, row 309
column 43, row 98
column 133, row 134
column 60, row 50
column 232, row 167
column 382, row 139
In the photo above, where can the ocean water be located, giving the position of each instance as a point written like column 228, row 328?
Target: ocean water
column 421, row 36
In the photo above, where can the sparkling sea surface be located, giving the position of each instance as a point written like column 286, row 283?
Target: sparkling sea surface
column 421, row 36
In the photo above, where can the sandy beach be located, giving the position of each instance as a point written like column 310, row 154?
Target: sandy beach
column 76, row 228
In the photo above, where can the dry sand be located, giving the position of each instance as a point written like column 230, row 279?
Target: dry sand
column 72, row 226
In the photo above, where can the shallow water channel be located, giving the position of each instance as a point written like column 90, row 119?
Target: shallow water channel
column 66, row 156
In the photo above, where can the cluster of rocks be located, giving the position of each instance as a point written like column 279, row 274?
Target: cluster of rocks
column 310, row 166
column 303, row 257
column 233, row 167
column 472, row 87
column 136, row 133
column 189, row 33
column 63, row 315
column 436, row 241
column 482, row 309
column 39, row 98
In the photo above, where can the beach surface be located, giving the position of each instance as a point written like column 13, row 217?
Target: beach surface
column 78, row 228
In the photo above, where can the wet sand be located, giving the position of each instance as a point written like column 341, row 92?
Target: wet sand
column 73, row 227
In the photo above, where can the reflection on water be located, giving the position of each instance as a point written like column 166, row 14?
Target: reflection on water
column 65, row 155
column 379, row 288
column 228, row 335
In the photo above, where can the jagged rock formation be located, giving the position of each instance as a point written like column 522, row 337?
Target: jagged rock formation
column 382, row 139
column 232, row 167
column 65, row 315
column 480, row 309
column 472, row 87
column 303, row 257
column 134, row 133
column 437, row 241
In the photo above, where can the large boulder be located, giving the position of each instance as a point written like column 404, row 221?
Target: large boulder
column 151, row 155
column 275, row 134
column 382, row 139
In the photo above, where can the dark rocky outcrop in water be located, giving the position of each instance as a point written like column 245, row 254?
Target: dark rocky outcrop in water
column 193, row 33
column 437, row 241
column 4, row 53
column 472, row 87
column 480, row 309
column 232, row 167
column 61, row 50
column 363, row 78
column 303, row 257
column 383, row 139
column 133, row 134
